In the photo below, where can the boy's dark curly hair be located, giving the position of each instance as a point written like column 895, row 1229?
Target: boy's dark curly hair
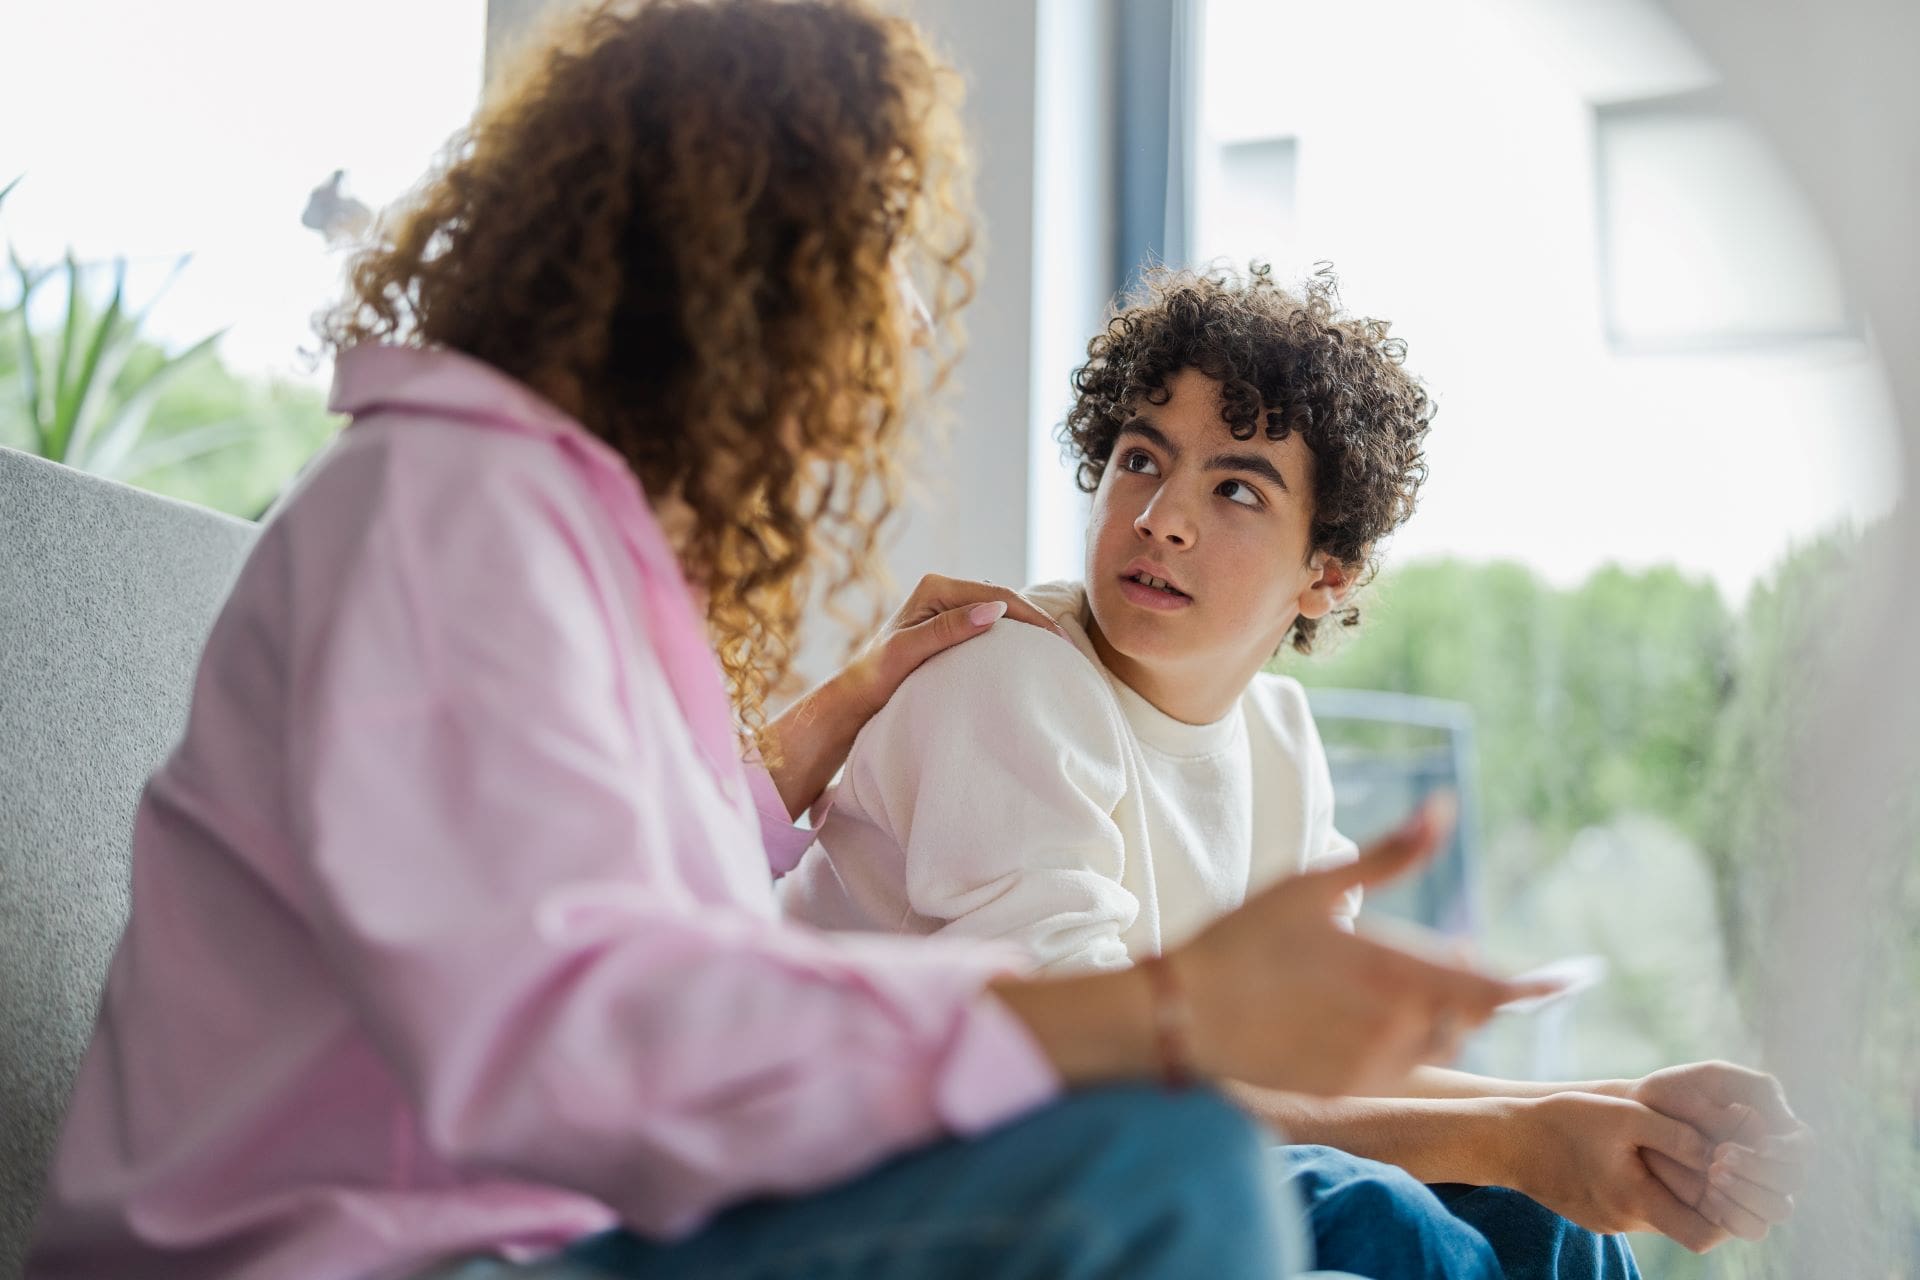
column 1286, row 362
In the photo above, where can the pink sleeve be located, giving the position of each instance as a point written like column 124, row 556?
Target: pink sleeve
column 526, row 902
column 785, row 839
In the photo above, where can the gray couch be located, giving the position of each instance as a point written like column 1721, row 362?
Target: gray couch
column 106, row 595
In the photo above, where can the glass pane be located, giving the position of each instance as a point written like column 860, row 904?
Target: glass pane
column 1662, row 433
column 188, row 145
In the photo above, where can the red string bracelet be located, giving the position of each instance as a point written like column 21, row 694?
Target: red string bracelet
column 1172, row 1017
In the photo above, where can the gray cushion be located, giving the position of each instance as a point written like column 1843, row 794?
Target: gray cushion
column 106, row 597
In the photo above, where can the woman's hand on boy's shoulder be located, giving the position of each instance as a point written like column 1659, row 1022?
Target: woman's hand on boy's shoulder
column 939, row 614
column 809, row 741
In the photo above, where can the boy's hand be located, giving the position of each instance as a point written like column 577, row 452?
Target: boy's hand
column 1580, row 1154
column 1761, row 1148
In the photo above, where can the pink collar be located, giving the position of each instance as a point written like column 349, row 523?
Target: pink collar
column 439, row 382
column 447, row 383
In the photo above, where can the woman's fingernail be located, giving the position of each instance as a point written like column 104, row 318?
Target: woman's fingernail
column 981, row 614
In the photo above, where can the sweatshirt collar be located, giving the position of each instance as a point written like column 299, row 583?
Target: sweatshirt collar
column 1066, row 603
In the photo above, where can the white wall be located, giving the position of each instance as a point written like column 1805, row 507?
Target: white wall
column 1000, row 503
column 995, row 501
column 1074, row 232
column 970, row 519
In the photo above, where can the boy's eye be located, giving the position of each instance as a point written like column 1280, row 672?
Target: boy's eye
column 1138, row 462
column 1237, row 491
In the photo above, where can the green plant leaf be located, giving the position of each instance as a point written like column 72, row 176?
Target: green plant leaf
column 30, row 280
column 97, row 396
column 93, row 383
column 129, row 422
column 187, row 446
column 58, row 425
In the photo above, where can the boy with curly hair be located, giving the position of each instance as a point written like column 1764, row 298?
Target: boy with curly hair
column 1227, row 517
column 1248, row 449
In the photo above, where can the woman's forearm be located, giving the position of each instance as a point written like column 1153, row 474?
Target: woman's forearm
column 1468, row 1139
column 806, row 744
column 1094, row 1028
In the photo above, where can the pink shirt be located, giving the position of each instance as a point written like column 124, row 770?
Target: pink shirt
column 453, row 927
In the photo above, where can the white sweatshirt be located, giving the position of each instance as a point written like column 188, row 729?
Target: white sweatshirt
column 1013, row 788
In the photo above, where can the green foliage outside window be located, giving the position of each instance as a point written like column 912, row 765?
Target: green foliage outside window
column 1635, row 725
column 212, row 436
column 82, row 384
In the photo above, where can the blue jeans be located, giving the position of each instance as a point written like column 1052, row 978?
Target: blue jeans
column 1377, row 1220
column 1123, row 1182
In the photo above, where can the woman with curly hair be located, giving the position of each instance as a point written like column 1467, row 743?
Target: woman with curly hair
column 454, row 947
column 1248, row 450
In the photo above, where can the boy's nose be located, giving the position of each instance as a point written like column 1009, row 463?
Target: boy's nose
column 1164, row 521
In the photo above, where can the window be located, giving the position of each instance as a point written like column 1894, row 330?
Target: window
column 1641, row 475
column 187, row 145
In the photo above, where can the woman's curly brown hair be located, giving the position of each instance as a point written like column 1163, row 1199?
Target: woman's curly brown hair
column 1286, row 362
column 681, row 221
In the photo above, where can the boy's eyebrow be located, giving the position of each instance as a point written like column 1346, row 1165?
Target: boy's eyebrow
column 1250, row 462
column 1154, row 435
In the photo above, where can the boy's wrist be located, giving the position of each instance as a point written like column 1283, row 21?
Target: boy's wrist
column 1607, row 1088
column 1503, row 1138
column 1492, row 1142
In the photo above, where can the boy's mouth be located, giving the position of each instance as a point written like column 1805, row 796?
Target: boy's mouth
column 1148, row 580
column 1147, row 577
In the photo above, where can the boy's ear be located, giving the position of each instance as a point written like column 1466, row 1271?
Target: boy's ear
column 1331, row 584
